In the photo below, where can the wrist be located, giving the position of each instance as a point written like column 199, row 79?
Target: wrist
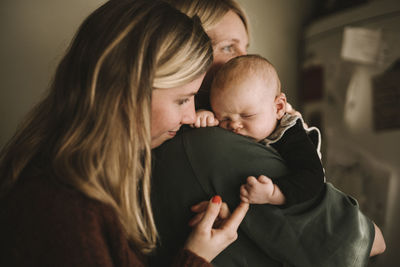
column 186, row 255
column 277, row 196
column 198, row 253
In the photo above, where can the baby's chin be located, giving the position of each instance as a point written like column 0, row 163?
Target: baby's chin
column 258, row 138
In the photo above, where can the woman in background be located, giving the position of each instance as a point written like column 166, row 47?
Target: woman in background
column 226, row 24
column 75, row 178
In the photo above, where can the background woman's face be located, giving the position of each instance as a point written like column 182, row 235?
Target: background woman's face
column 170, row 109
column 229, row 38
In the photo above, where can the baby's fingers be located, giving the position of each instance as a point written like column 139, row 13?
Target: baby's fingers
column 251, row 181
column 197, row 124
column 244, row 194
column 244, row 191
column 264, row 179
column 211, row 121
column 203, row 121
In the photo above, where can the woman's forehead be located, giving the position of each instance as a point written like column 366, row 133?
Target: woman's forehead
column 230, row 27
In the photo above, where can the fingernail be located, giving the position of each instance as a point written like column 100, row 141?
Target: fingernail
column 216, row 199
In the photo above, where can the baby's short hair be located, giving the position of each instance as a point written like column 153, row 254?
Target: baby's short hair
column 244, row 66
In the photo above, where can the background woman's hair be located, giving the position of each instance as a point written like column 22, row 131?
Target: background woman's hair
column 92, row 130
column 210, row 12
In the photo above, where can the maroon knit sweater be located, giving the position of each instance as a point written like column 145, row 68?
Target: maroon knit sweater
column 43, row 223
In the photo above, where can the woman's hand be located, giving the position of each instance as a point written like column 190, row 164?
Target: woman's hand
column 201, row 209
column 214, row 229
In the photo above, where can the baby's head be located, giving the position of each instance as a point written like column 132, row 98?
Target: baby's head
column 246, row 96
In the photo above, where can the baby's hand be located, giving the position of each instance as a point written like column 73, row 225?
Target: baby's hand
column 261, row 191
column 205, row 118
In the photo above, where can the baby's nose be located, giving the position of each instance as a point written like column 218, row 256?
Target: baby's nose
column 235, row 125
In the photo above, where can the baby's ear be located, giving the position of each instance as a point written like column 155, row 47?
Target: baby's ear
column 280, row 103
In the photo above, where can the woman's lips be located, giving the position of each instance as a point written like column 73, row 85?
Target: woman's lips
column 172, row 133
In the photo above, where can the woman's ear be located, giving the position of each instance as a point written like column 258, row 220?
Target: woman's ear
column 280, row 104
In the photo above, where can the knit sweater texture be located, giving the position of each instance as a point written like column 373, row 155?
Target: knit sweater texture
column 45, row 223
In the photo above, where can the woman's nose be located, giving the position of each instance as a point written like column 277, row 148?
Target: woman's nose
column 241, row 52
column 189, row 114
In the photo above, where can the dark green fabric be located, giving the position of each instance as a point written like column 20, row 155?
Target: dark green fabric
column 326, row 231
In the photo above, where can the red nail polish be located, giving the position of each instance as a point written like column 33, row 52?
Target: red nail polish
column 216, row 199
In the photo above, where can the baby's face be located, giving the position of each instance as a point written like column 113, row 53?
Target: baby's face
column 246, row 108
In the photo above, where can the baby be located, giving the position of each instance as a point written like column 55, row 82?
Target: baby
column 246, row 99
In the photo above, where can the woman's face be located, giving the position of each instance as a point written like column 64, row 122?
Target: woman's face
column 170, row 109
column 229, row 39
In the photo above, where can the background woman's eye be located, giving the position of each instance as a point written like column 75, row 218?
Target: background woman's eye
column 227, row 49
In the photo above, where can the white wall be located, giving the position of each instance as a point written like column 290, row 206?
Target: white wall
column 35, row 35
column 276, row 31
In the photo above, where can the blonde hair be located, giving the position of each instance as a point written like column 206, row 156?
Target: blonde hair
column 92, row 130
column 210, row 12
column 246, row 67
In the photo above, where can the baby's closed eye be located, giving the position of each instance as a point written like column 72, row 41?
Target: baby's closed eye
column 248, row 115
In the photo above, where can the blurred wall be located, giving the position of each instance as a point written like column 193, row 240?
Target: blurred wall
column 35, row 35
column 276, row 31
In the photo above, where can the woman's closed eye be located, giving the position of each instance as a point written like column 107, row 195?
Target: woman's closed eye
column 182, row 101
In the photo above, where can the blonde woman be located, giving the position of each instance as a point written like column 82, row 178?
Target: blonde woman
column 75, row 178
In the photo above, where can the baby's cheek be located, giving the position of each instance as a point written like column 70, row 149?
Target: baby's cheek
column 259, row 130
column 252, row 126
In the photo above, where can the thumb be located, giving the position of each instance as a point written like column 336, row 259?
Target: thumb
column 211, row 213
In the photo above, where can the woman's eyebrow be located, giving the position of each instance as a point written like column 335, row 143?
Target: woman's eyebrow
column 190, row 94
